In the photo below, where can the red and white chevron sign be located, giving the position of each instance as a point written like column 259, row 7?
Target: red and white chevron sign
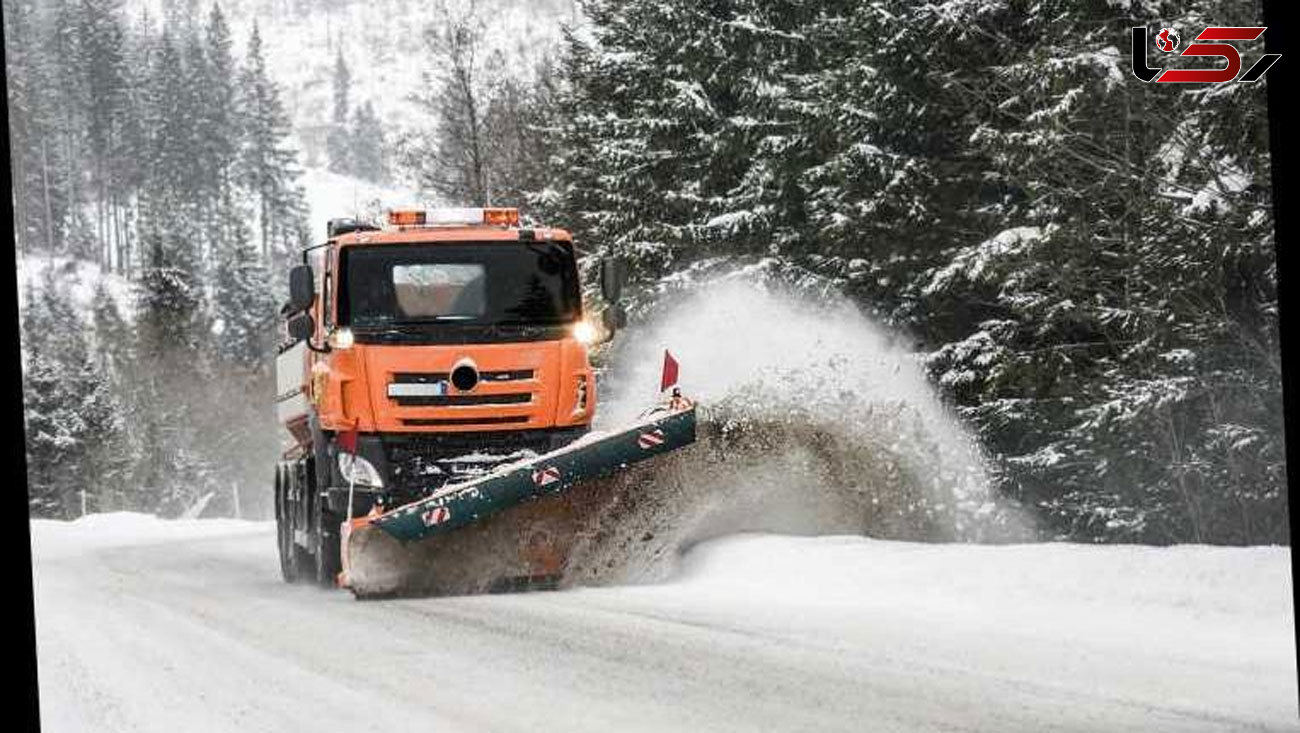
column 436, row 515
column 546, row 476
column 651, row 439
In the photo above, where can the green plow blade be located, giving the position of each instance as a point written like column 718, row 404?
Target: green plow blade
column 454, row 507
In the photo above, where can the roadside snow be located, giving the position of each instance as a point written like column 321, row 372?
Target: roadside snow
column 1217, row 603
column 757, row 632
column 95, row 532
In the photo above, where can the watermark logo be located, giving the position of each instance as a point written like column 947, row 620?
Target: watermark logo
column 1167, row 40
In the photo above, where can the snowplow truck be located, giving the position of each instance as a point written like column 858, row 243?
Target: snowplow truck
column 437, row 395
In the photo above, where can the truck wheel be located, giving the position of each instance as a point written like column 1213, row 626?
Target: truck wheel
column 329, row 553
column 325, row 524
column 295, row 562
column 289, row 568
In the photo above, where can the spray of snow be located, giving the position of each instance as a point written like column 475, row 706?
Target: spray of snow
column 811, row 421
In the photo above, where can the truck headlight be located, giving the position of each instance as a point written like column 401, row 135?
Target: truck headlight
column 358, row 470
column 341, row 339
column 585, row 333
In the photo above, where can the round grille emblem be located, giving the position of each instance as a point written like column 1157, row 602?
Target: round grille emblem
column 464, row 377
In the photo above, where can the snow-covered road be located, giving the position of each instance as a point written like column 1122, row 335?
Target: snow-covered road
column 144, row 625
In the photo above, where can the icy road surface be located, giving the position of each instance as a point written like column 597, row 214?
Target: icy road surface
column 145, row 625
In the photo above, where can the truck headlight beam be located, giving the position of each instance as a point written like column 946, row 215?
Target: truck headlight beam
column 341, row 339
column 585, row 333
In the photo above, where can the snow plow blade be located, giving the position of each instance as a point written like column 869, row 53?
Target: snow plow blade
column 509, row 529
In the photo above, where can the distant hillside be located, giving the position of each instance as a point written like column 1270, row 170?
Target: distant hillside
column 76, row 278
column 331, row 195
column 382, row 43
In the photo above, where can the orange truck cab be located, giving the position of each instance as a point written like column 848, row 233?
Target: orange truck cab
column 429, row 350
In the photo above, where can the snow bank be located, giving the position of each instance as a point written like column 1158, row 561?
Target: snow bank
column 1226, row 605
column 93, row 532
column 828, row 571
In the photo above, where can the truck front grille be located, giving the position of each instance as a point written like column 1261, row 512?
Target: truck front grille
column 432, row 389
column 421, row 464
column 463, row 400
column 431, row 421
column 510, row 375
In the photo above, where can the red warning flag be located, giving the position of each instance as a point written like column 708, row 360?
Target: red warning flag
column 348, row 441
column 670, row 372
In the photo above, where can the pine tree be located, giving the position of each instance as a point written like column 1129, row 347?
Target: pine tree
column 45, row 124
column 244, row 332
column 1109, row 337
column 218, row 126
column 366, row 138
column 244, row 305
column 130, row 150
column 517, row 113
column 71, row 415
column 338, row 144
column 102, row 44
column 267, row 166
column 451, row 160
column 172, row 330
column 170, row 310
column 114, row 335
column 677, row 143
column 170, row 222
column 39, row 200
column 1086, row 258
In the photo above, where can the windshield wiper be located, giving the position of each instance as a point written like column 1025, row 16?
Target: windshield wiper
column 383, row 332
column 429, row 319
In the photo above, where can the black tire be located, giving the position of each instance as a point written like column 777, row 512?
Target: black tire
column 289, row 568
column 329, row 559
column 325, row 525
column 295, row 562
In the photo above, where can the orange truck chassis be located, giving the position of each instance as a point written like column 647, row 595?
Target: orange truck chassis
column 446, row 348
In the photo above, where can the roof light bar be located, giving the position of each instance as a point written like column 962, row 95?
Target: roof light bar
column 500, row 217
column 455, row 216
column 406, row 217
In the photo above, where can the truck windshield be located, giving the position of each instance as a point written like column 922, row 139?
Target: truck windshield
column 481, row 284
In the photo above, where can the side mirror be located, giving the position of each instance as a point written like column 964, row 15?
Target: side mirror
column 301, row 327
column 613, row 274
column 613, row 319
column 302, row 289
